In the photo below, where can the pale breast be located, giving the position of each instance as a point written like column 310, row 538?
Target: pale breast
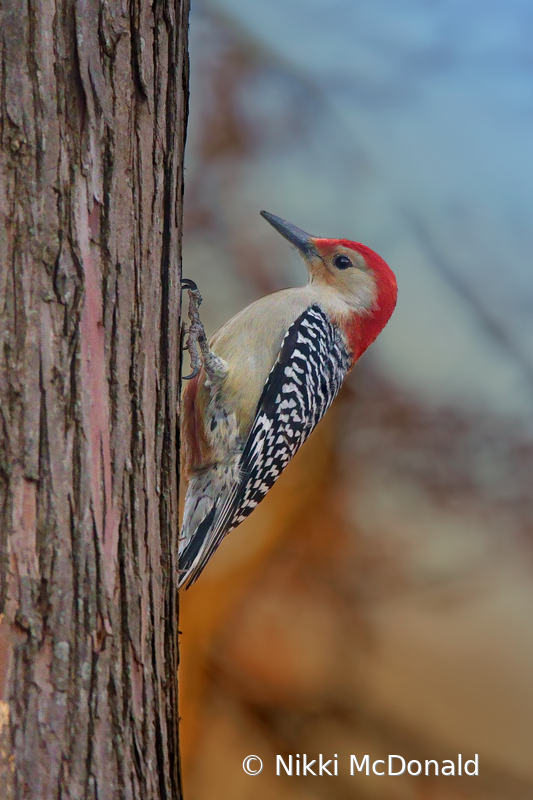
column 250, row 343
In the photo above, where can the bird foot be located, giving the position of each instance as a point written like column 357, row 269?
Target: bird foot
column 216, row 368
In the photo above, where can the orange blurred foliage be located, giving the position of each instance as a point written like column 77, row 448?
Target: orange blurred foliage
column 378, row 601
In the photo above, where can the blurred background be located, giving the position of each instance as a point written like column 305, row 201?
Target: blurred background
column 380, row 599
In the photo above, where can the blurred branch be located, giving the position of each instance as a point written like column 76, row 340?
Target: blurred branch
column 493, row 327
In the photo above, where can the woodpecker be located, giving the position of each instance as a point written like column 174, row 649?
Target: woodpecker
column 267, row 378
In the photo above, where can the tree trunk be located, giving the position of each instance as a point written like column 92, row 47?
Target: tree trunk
column 93, row 104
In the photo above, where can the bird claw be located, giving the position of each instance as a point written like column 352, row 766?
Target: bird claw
column 214, row 366
column 192, row 375
column 195, row 330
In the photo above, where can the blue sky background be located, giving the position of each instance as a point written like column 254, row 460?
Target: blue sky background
column 407, row 125
column 416, row 138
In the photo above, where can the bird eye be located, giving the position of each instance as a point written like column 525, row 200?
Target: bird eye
column 342, row 262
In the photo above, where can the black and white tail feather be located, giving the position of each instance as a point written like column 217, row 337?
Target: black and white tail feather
column 309, row 371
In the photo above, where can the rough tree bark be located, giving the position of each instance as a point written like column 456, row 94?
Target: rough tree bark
column 93, row 103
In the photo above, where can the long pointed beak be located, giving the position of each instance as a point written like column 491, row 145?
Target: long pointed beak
column 296, row 236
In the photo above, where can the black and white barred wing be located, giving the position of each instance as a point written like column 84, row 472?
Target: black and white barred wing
column 308, row 374
column 311, row 366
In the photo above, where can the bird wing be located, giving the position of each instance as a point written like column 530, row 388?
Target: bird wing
column 311, row 366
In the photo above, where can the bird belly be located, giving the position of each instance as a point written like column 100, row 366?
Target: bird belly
column 251, row 353
column 207, row 490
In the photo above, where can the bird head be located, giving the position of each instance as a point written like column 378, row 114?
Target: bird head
column 350, row 269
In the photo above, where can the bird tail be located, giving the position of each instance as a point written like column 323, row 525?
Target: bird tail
column 207, row 496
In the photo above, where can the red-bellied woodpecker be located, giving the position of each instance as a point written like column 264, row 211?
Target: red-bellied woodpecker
column 268, row 377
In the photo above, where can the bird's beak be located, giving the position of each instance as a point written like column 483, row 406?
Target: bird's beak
column 300, row 239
